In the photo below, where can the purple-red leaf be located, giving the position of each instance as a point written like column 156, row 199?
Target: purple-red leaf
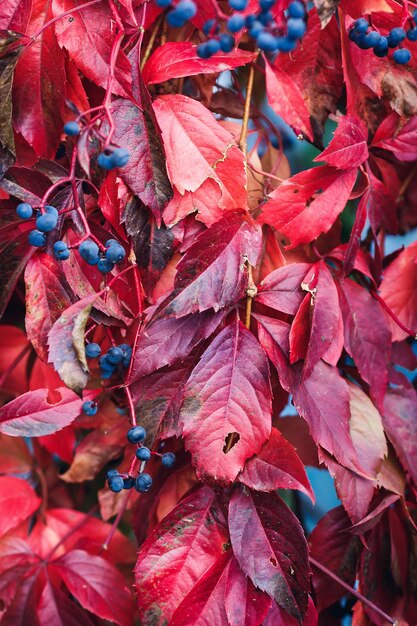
column 18, row 500
column 281, row 289
column 400, row 423
column 348, row 148
column 277, row 466
column 33, row 415
column 269, row 544
column 245, row 604
column 227, row 406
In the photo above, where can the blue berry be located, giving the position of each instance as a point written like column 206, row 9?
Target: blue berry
column 52, row 210
column 285, row 44
column 143, row 454
column 186, row 8
column 128, row 482
column 46, row 222
column 296, row 9
column 114, row 355
column 105, row 266
column 116, row 484
column 89, row 251
column 396, row 36
column 412, row 34
column 168, row 459
column 361, row 25
column 126, row 349
column 213, row 46
column 61, row 251
column 235, row 23
column 71, row 129
column 92, row 350
column 106, row 374
column 111, row 242
column 119, row 157
column 209, row 26
column 89, row 408
column 227, row 43
column 295, row 28
column 112, row 472
column 105, row 364
column 266, row 41
column 370, row 40
column 163, row 3
column 24, row 211
column 143, row 483
column 104, row 161
column 256, row 29
column 402, row 56
column 115, row 253
column 381, row 48
column 175, row 19
column 238, row 5
column 265, row 17
column 249, row 20
column 265, row 5
column 136, row 434
column 36, row 238
column 353, row 35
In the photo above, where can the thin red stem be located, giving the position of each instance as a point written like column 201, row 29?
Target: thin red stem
column 59, row 17
column 14, row 363
column 393, row 316
column 116, row 522
column 131, row 406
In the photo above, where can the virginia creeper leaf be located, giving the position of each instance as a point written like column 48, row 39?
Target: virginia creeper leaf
column 18, row 500
column 281, row 289
column 348, row 148
column 55, row 608
column 400, row 423
column 15, row 14
column 226, row 412
column 245, row 604
column 10, row 51
column 325, row 10
column 269, row 544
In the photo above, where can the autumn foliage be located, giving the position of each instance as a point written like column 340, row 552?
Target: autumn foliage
column 271, row 328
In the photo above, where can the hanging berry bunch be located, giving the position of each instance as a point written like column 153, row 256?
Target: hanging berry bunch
column 365, row 36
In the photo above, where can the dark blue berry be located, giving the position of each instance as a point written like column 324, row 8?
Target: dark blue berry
column 89, row 251
column 235, row 23
column 143, row 483
column 105, row 266
column 89, row 408
column 46, row 222
column 143, row 454
column 114, row 355
column 295, row 28
column 116, row 484
column 361, row 25
column 227, row 43
column 126, row 349
column 36, row 238
column 175, row 19
column 111, row 472
column 256, row 29
column 115, row 253
column 168, row 459
column 106, row 374
column 412, row 34
column 104, row 161
column 402, row 56
column 353, row 35
column 238, row 5
column 52, row 210
column 249, row 20
column 371, row 39
column 381, row 48
column 396, row 36
column 128, row 482
column 92, row 350
column 296, row 9
column 266, row 41
column 105, row 364
column 163, row 3
column 71, row 129
column 265, row 18
column 202, row 51
column 61, row 251
column 24, row 211
column 111, row 242
column 213, row 46
column 285, row 44
column 265, row 5
column 119, row 157
column 136, row 434
column 209, row 26
column 186, row 8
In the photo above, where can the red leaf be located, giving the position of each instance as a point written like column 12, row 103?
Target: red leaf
column 15, row 457
column 269, row 544
column 277, row 466
column 367, row 336
column 348, row 148
column 15, row 14
column 307, row 204
column 212, row 273
column 322, row 399
column 281, row 289
column 32, row 414
column 179, row 551
column 402, row 142
column 279, row 617
column 177, row 59
column 47, row 295
column 92, row 581
column 227, row 406
column 56, row 609
column 166, row 341
column 18, row 500
column 40, row 71
column 400, row 423
column 398, row 290
column 245, row 604
column 286, row 99
column 66, row 344
column 88, row 36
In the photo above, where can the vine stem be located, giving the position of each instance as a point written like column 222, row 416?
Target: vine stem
column 246, row 111
column 71, row 532
column 59, row 17
column 116, row 522
column 355, row 593
column 251, row 292
column 393, row 316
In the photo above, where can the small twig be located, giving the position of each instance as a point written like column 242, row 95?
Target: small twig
column 131, row 406
column 246, row 111
column 151, row 42
column 393, row 316
column 71, row 532
column 116, row 522
column 353, row 591
column 251, row 292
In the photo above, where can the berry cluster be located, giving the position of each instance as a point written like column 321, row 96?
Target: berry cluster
column 269, row 35
column 143, row 481
column 110, row 158
column 90, row 252
column 115, row 357
column 179, row 14
column 365, row 37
